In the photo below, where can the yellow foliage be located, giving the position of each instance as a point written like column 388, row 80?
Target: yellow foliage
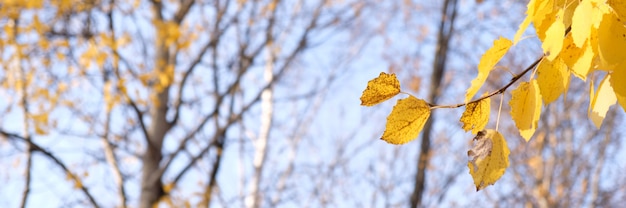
column 382, row 88
column 618, row 82
column 552, row 78
column 74, row 178
column 476, row 115
column 553, row 42
column 601, row 101
column 489, row 158
column 526, row 108
column 579, row 60
column 543, row 17
column 486, row 64
column 581, row 23
column 40, row 122
column 406, row 120
column 612, row 41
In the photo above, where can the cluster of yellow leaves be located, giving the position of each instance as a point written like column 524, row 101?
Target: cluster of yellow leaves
column 596, row 42
column 408, row 116
column 490, row 152
column 578, row 37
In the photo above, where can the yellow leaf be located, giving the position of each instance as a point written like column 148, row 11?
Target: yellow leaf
column 476, row 115
column 530, row 12
column 406, row 120
column 543, row 17
column 579, row 60
column 611, row 41
column 601, row 101
column 619, row 6
column 489, row 158
column 570, row 6
column 526, row 108
column 486, row 64
column 552, row 78
column 581, row 23
column 522, row 28
column 618, row 82
column 382, row 88
column 553, row 43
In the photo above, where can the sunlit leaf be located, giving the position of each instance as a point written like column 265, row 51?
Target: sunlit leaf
column 526, row 108
column 488, row 158
column 601, row 101
column 406, row 120
column 618, row 82
column 612, row 41
column 476, row 115
column 382, row 88
column 579, row 60
column 581, row 23
column 543, row 17
column 486, row 64
column 553, row 42
column 552, row 78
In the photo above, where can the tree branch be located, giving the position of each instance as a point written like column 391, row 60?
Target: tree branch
column 37, row 148
column 499, row 91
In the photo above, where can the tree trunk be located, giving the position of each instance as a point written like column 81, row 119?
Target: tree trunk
column 446, row 29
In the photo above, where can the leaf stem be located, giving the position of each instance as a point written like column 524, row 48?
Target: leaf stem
column 499, row 111
column 499, row 91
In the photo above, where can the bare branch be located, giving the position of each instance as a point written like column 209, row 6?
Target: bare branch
column 37, row 148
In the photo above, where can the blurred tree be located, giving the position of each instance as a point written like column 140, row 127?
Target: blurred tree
column 165, row 82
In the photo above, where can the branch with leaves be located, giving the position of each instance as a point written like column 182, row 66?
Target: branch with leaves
column 572, row 45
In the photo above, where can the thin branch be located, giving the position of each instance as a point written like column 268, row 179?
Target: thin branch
column 37, row 148
column 499, row 91
column 183, row 10
column 213, row 42
column 108, row 149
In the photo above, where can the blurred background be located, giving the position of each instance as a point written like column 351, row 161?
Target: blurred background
column 255, row 103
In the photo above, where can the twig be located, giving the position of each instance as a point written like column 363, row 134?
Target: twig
column 499, row 91
column 37, row 148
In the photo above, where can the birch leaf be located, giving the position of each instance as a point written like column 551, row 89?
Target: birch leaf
column 611, row 41
column 553, row 42
column 406, row 120
column 476, row 115
column 581, row 23
column 526, row 108
column 552, row 78
column 486, row 64
column 601, row 101
column 382, row 88
column 618, row 83
column 488, row 158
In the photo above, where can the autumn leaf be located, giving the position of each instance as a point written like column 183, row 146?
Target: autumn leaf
column 476, row 115
column 543, row 17
column 530, row 12
column 526, row 108
column 618, row 83
column 581, row 23
column 579, row 60
column 611, row 41
column 601, row 101
column 553, row 43
column 382, row 88
column 486, row 64
column 552, row 78
column 488, row 158
column 406, row 120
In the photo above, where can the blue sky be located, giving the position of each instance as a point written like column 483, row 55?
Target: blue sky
column 337, row 153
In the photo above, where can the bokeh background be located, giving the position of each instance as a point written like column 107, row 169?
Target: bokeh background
column 255, row 103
